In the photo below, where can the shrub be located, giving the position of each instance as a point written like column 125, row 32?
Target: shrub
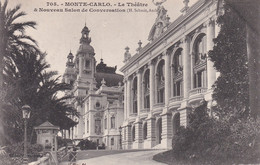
column 214, row 141
column 17, row 150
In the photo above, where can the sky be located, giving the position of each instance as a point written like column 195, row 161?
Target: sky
column 59, row 32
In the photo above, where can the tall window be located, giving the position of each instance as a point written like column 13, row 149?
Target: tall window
column 87, row 126
column 133, row 133
column 199, row 75
column 97, row 126
column 146, row 89
column 177, row 73
column 105, row 123
column 200, row 49
column 177, row 61
column 145, row 131
column 160, row 82
column 113, row 125
column 135, row 95
column 87, row 64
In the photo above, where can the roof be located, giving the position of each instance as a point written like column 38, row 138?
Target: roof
column 111, row 79
column 46, row 125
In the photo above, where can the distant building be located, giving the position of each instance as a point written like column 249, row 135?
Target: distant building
column 161, row 82
column 169, row 75
column 98, row 96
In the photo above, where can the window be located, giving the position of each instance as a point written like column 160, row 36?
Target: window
column 87, row 64
column 112, row 141
column 200, row 49
column 97, row 104
column 133, row 133
column 71, row 82
column 146, row 89
column 105, row 123
column 113, row 122
column 87, row 126
column 177, row 88
column 97, row 126
column 177, row 61
column 145, row 131
column 160, row 82
column 135, row 95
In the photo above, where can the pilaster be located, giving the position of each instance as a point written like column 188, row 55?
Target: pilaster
column 186, row 67
column 210, row 36
column 138, row 144
column 128, row 139
column 139, row 91
column 167, row 78
column 166, row 130
column 151, row 81
column 151, row 136
column 128, row 97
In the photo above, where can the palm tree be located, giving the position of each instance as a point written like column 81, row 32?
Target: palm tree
column 30, row 83
column 12, row 33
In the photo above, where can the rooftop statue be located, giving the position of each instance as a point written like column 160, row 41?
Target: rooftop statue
column 161, row 22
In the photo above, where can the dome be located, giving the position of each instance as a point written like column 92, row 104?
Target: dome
column 85, row 48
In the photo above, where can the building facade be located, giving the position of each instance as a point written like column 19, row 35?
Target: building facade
column 97, row 96
column 169, row 75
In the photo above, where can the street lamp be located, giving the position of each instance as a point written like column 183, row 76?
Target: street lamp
column 120, row 140
column 26, row 115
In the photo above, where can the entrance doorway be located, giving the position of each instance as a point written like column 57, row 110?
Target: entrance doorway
column 159, row 131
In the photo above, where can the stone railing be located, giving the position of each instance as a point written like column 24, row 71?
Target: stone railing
column 158, row 105
column 176, row 98
column 133, row 115
column 61, row 153
column 145, row 110
column 197, row 91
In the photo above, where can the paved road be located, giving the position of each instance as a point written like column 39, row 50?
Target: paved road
column 129, row 158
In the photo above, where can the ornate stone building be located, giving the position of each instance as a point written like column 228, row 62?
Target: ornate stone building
column 169, row 75
column 98, row 96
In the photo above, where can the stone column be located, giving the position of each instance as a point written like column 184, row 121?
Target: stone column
column 128, row 143
column 151, row 136
column 125, row 99
column 167, row 130
column 128, row 98
column 210, row 36
column 139, row 91
column 138, row 144
column 167, row 78
column 186, row 67
column 152, row 86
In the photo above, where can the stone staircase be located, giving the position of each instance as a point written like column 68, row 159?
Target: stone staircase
column 158, row 147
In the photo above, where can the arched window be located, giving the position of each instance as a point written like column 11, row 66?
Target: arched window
column 145, row 131
column 160, row 82
column 177, row 73
column 199, row 49
column 177, row 61
column 135, row 95
column 146, row 89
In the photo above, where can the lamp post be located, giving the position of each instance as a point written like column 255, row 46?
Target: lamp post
column 120, row 140
column 26, row 115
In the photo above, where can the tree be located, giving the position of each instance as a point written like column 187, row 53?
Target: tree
column 230, row 59
column 28, row 82
column 12, row 33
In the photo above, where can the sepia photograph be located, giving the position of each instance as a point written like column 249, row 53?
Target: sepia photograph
column 129, row 82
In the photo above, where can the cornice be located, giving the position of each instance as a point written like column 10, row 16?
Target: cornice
column 160, row 40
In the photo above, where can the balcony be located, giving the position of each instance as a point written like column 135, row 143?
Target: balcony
column 145, row 110
column 197, row 94
column 158, row 108
column 132, row 117
column 175, row 101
